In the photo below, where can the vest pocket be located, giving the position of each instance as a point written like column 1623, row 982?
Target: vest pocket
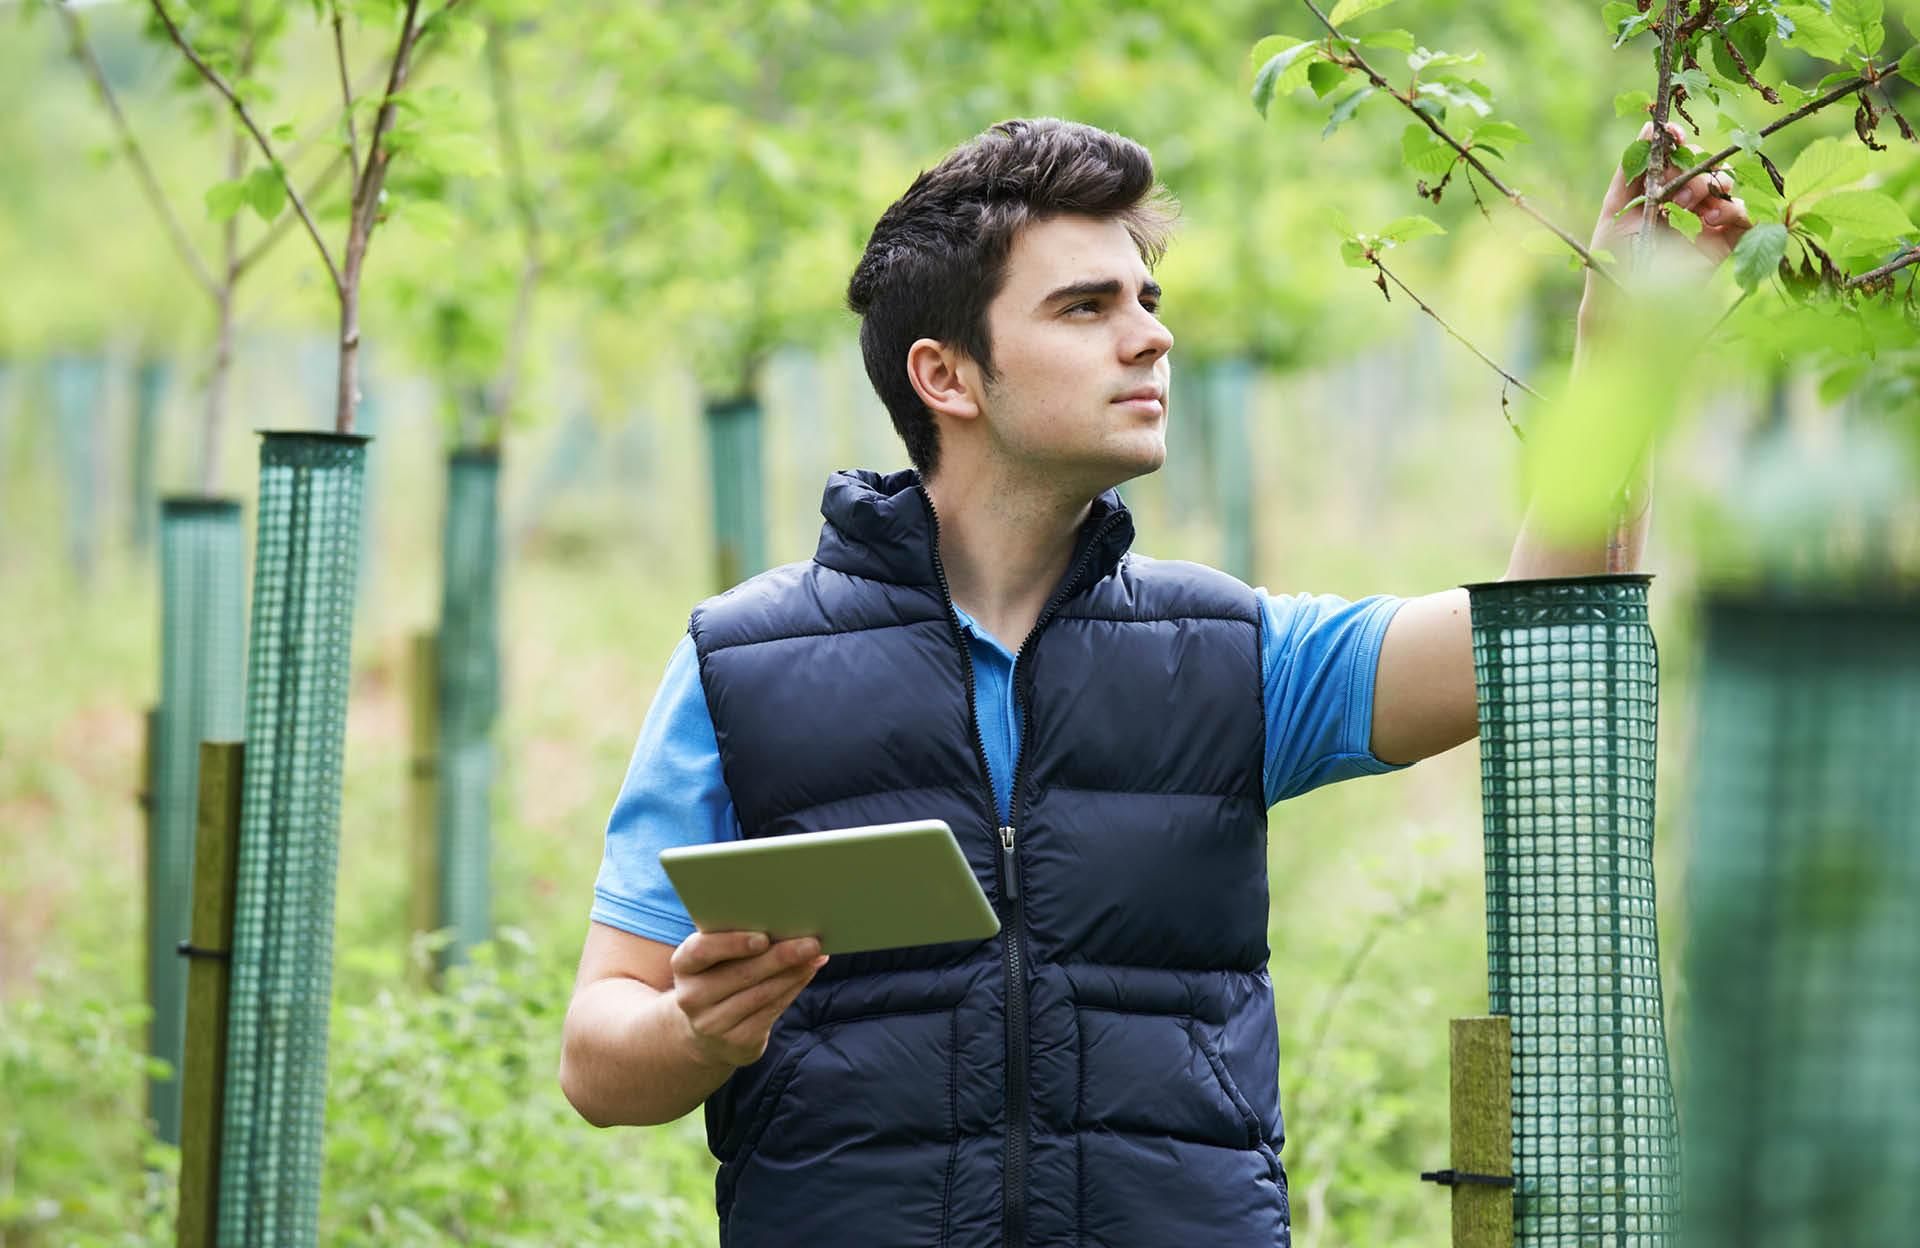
column 1158, row 1074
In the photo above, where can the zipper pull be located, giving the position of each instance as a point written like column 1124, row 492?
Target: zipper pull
column 1010, row 872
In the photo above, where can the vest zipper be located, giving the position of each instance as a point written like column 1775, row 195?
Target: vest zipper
column 1014, row 1188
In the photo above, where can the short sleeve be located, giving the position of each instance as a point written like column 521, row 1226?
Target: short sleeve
column 674, row 794
column 1319, row 654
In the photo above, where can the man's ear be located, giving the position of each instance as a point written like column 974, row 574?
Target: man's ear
column 947, row 382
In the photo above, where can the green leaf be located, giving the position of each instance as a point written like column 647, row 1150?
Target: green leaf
column 284, row 132
column 1462, row 96
column 1745, row 140
column 1399, row 40
column 1861, row 20
column 224, row 198
column 1345, row 109
column 1421, row 59
column 1498, row 132
column 1686, row 223
column 1824, row 166
column 1324, row 76
column 1423, row 153
column 1758, row 254
column 1697, row 83
column 1406, row 229
column 1631, row 104
column 456, row 155
column 1284, row 69
column 1354, row 252
column 1347, row 10
column 431, row 219
column 1631, row 27
column 1750, row 35
column 1868, row 215
column 1910, row 65
column 1815, row 32
column 1633, row 161
column 266, row 192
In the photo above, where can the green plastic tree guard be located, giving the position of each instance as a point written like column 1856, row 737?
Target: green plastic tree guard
column 1229, row 387
column 282, row 959
column 149, row 392
column 469, row 697
column 202, row 644
column 739, row 527
column 1568, row 675
column 76, row 383
column 1802, row 1127
column 1189, row 468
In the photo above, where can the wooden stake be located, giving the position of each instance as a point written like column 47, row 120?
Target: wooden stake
column 1481, row 1054
column 203, row 1079
column 148, row 751
column 423, row 788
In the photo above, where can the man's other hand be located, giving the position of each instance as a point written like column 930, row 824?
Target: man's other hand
column 729, row 987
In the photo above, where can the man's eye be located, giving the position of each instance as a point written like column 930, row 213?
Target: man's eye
column 1087, row 304
column 1151, row 305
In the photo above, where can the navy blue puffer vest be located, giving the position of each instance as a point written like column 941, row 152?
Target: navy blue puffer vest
column 1104, row 1072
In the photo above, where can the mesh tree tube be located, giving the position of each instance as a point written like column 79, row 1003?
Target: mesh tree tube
column 1803, row 929
column 149, row 389
column 1229, row 386
column 739, row 529
column 469, row 696
column 282, row 959
column 1189, row 469
column 202, row 643
column 1567, row 676
column 77, row 383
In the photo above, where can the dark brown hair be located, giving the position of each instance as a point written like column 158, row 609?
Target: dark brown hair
column 938, row 256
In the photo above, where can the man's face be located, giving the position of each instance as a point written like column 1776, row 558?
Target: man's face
column 1076, row 340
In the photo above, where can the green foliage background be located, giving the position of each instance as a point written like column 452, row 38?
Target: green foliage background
column 703, row 177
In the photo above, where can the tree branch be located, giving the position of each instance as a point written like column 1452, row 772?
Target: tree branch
column 1662, row 145
column 1840, row 92
column 1910, row 256
column 265, row 242
column 1767, row 93
column 83, row 52
column 346, row 88
column 1458, row 337
column 1513, row 197
column 246, row 119
column 366, row 187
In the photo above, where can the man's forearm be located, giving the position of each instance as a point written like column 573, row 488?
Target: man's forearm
column 1534, row 555
column 1617, row 550
column 626, row 1060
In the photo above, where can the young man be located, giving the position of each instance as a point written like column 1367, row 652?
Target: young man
column 975, row 641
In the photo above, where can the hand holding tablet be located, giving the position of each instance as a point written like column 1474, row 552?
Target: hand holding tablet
column 886, row 886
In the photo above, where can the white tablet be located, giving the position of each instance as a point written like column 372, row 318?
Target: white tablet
column 886, row 886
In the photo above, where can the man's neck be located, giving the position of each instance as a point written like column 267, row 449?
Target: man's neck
column 1005, row 546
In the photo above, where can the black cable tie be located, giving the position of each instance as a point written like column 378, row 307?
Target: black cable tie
column 1458, row 1178
column 188, row 950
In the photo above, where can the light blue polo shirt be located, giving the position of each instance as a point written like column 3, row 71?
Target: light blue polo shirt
column 1318, row 658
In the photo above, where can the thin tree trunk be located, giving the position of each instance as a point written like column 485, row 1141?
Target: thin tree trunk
column 220, row 377
column 347, row 397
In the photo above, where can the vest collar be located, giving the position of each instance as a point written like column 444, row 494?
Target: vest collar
column 881, row 526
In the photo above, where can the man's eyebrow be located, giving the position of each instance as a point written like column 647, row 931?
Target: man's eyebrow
column 1110, row 287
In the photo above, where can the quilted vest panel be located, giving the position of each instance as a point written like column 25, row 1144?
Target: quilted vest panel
column 1104, row 1072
